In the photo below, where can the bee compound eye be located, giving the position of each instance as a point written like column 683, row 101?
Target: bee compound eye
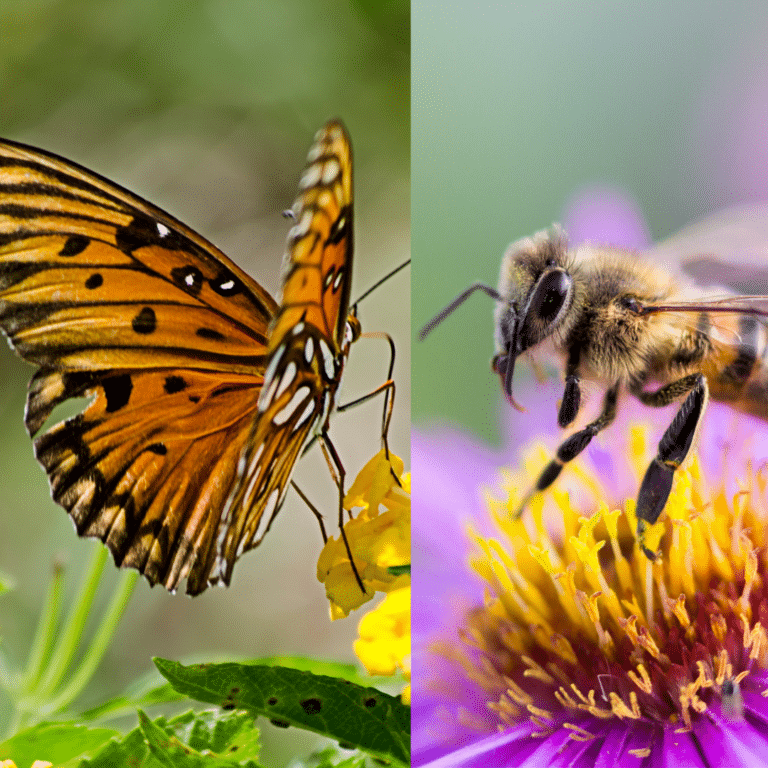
column 631, row 304
column 550, row 295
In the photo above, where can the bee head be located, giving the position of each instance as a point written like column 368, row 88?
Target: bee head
column 538, row 289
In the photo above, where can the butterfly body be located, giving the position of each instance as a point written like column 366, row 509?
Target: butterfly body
column 202, row 392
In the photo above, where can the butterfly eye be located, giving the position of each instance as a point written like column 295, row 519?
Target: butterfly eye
column 550, row 295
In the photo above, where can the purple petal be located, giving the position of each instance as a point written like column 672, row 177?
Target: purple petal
column 605, row 216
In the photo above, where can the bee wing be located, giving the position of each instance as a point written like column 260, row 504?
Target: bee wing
column 727, row 251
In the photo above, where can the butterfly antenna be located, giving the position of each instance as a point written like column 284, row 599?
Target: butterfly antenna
column 379, row 282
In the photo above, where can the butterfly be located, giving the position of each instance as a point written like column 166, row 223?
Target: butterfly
column 203, row 390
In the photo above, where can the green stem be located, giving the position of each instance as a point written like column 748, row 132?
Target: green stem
column 45, row 633
column 65, row 650
column 98, row 646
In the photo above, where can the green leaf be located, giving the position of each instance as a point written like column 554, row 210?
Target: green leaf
column 7, row 582
column 211, row 739
column 316, row 666
column 332, row 758
column 120, row 705
column 354, row 715
column 55, row 742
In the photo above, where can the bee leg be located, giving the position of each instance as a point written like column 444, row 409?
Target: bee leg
column 569, row 449
column 569, row 405
column 673, row 448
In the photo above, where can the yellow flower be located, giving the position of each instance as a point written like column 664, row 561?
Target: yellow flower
column 36, row 764
column 379, row 537
column 384, row 646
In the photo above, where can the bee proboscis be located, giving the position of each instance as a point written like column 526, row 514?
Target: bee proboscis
column 636, row 324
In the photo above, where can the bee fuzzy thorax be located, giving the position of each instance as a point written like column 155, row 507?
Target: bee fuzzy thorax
column 636, row 324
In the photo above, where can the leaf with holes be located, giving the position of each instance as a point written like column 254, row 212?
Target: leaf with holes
column 211, row 739
column 354, row 715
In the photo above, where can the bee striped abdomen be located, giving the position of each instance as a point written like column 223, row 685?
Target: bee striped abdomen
column 746, row 357
column 739, row 371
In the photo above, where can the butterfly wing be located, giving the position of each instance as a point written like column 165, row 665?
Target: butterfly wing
column 308, row 344
column 117, row 301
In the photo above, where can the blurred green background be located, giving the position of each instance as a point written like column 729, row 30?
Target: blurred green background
column 208, row 109
column 519, row 107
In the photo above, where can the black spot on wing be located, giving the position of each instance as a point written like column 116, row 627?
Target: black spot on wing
column 75, row 245
column 143, row 231
column 226, row 284
column 209, row 333
column 145, row 322
column 94, row 281
column 342, row 227
column 188, row 278
column 117, row 390
column 174, row 384
column 157, row 448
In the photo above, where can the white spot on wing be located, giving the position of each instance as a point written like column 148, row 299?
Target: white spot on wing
column 337, row 281
column 310, row 177
column 266, row 517
column 314, row 151
column 302, row 227
column 265, row 398
column 298, row 328
column 328, row 361
column 269, row 374
column 287, row 378
column 330, row 170
column 298, row 398
column 309, row 350
column 257, row 474
column 308, row 411
column 162, row 230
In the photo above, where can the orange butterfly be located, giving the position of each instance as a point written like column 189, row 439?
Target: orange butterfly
column 204, row 391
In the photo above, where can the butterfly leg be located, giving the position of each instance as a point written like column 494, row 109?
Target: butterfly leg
column 674, row 446
column 339, row 473
column 315, row 511
column 388, row 387
column 573, row 446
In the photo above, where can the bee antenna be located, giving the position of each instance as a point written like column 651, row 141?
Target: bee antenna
column 460, row 299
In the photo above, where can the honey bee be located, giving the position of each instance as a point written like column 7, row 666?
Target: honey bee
column 635, row 324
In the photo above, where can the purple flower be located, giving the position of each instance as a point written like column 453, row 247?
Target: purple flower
column 553, row 640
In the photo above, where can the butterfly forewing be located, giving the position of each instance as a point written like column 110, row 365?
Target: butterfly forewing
column 308, row 344
column 118, row 301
